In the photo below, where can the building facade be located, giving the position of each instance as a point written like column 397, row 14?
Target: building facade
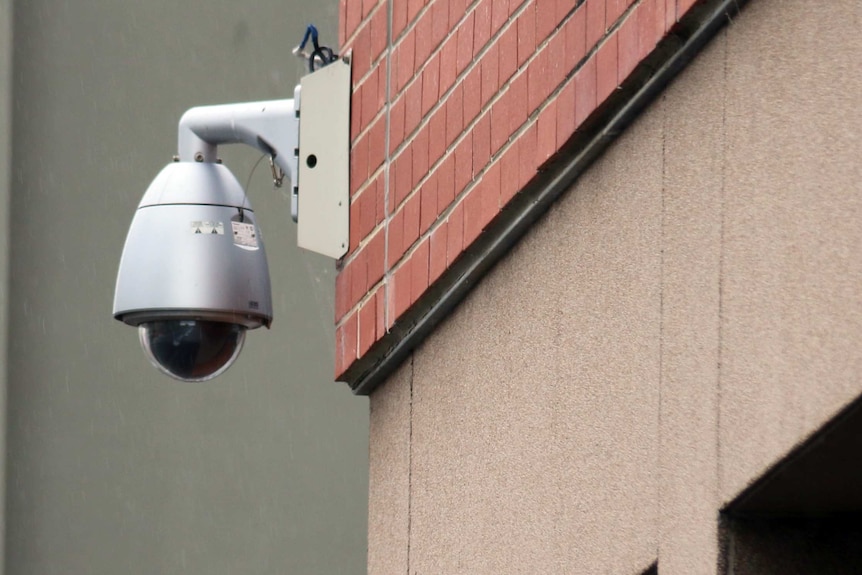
column 604, row 284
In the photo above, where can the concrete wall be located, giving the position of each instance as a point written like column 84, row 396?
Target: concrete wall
column 113, row 468
column 681, row 319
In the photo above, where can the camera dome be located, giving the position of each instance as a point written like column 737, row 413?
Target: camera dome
column 191, row 349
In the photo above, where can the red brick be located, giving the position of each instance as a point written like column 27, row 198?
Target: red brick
column 356, row 114
column 546, row 19
column 354, row 16
column 420, row 155
column 465, row 43
column 575, row 30
column 382, row 88
column 367, row 210
column 490, row 73
column 381, row 201
column 399, row 17
column 499, row 14
column 455, row 234
column 437, row 257
column 446, row 183
column 437, row 135
column 430, row 84
column 358, row 277
column 508, row 60
column 518, row 102
column 376, row 144
column 500, row 122
column 491, row 198
column 628, row 49
column 463, row 163
column 361, row 61
column 473, row 213
column 380, row 304
column 367, row 325
column 378, row 33
column 395, row 239
column 355, row 236
column 556, row 50
column 646, row 28
column 376, row 260
column 424, row 38
column 351, row 329
column 369, row 99
column 358, row 165
column 472, row 94
column 413, row 8
column 448, row 63
column 412, row 211
column 428, row 204
column 419, row 271
column 585, row 91
column 397, row 113
column 564, row 7
column 342, row 293
column 669, row 15
column 595, row 21
column 454, row 114
column 367, row 6
column 613, row 10
column 481, row 142
column 440, row 21
column 546, row 136
column 526, row 33
column 527, row 155
column 565, row 113
column 537, row 80
column 403, row 170
column 456, row 11
column 401, row 287
column 510, row 183
column 606, row 69
column 481, row 25
column 413, row 113
column 404, row 55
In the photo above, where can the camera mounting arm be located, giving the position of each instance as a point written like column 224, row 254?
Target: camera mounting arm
column 270, row 126
column 315, row 149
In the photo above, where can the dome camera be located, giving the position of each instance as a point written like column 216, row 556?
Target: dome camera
column 193, row 276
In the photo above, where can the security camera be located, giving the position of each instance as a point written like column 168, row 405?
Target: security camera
column 193, row 276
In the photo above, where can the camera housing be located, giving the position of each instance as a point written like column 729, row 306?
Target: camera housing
column 193, row 276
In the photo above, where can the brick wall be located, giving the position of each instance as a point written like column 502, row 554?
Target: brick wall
column 456, row 106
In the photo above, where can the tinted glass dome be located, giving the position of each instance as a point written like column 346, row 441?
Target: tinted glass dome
column 191, row 350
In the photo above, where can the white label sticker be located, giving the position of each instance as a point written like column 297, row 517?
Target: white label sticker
column 212, row 228
column 244, row 234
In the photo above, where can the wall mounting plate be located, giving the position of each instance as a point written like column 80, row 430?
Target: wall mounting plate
column 324, row 160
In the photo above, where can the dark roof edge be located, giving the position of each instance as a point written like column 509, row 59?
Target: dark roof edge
column 700, row 24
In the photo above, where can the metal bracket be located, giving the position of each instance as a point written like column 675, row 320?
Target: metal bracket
column 323, row 183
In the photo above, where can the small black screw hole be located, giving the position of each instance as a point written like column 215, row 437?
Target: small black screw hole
column 311, row 161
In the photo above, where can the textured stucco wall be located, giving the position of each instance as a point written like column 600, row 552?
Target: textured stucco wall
column 682, row 318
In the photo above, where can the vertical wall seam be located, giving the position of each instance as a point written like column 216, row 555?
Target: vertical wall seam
column 720, row 287
column 661, row 318
column 387, row 162
column 410, row 467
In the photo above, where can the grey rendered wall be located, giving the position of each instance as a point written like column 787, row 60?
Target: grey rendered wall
column 5, row 181
column 113, row 468
column 681, row 319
